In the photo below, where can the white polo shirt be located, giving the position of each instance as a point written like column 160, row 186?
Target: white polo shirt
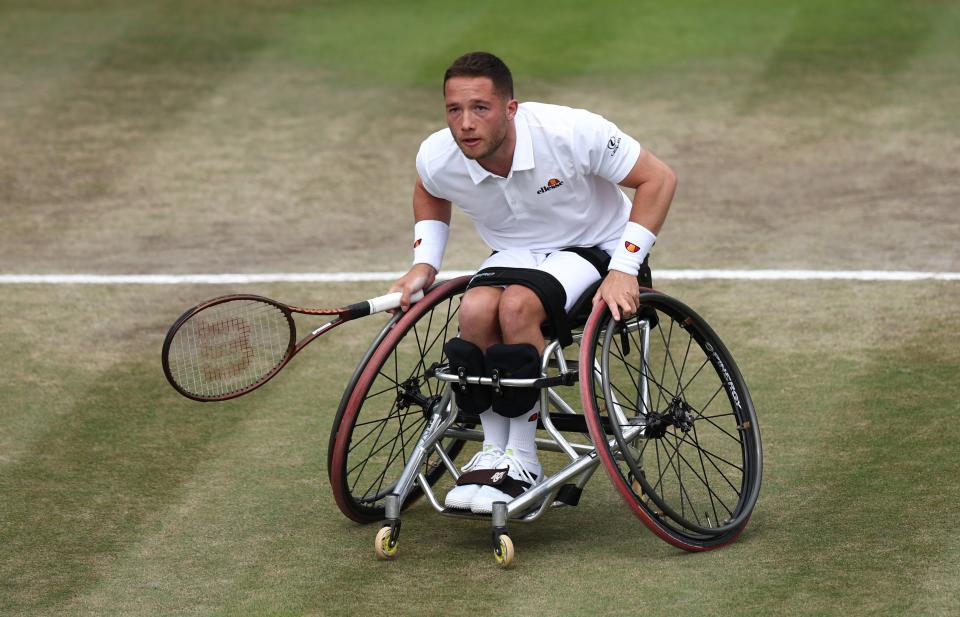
column 561, row 190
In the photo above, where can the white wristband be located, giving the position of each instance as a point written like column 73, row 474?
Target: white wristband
column 635, row 245
column 429, row 242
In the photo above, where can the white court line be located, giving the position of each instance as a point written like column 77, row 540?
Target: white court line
column 353, row 277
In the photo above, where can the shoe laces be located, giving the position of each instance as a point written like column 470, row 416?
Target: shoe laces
column 517, row 470
column 484, row 459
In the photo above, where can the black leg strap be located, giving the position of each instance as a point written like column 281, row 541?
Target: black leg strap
column 520, row 361
column 547, row 288
column 466, row 357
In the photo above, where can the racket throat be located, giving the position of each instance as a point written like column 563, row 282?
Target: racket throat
column 324, row 328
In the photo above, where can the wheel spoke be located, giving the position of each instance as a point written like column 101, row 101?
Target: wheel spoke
column 390, row 414
column 695, row 485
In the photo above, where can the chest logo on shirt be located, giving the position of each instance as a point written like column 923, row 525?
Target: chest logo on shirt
column 552, row 183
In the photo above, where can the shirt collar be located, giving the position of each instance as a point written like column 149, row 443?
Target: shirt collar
column 522, row 152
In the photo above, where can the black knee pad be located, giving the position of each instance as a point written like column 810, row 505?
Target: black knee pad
column 461, row 353
column 521, row 361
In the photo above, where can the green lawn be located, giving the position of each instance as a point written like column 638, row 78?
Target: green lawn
column 122, row 498
column 261, row 136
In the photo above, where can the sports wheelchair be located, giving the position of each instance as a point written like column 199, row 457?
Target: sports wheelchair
column 664, row 410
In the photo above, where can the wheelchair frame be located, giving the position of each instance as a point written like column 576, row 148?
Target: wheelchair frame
column 564, row 487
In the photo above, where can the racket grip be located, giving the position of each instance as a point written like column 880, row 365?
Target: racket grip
column 381, row 303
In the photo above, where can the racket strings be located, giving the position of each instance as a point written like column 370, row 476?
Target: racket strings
column 229, row 347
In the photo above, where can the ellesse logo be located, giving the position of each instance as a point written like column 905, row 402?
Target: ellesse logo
column 417, row 243
column 631, row 247
column 552, row 183
column 497, row 476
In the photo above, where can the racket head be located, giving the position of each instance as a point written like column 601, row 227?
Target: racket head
column 228, row 346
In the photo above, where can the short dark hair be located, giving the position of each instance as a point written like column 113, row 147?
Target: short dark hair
column 483, row 64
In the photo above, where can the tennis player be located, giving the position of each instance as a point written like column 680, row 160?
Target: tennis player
column 541, row 183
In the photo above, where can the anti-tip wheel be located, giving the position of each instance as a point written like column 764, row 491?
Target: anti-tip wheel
column 383, row 548
column 504, row 552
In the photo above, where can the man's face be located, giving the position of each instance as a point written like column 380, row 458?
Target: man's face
column 477, row 115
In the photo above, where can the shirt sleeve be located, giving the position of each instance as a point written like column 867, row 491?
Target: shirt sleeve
column 423, row 170
column 602, row 149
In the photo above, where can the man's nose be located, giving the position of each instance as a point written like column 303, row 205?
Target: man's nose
column 466, row 121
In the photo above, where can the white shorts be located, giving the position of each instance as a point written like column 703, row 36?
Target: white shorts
column 574, row 273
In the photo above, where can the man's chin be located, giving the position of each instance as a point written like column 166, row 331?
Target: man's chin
column 472, row 152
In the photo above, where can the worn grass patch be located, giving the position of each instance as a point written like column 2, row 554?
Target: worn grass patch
column 119, row 497
column 270, row 135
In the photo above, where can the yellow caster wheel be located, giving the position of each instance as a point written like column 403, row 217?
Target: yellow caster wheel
column 504, row 552
column 383, row 548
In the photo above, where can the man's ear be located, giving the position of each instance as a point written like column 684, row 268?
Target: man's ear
column 512, row 108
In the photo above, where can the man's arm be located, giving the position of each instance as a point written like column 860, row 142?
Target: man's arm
column 426, row 207
column 655, row 184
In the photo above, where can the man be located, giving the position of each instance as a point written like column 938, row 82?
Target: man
column 540, row 183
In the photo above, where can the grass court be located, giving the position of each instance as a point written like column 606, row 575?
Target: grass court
column 279, row 136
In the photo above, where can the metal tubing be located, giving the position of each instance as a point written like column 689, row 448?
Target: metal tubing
column 446, row 461
column 428, row 491
column 487, row 381
column 553, row 483
column 556, row 351
column 434, row 432
column 392, row 506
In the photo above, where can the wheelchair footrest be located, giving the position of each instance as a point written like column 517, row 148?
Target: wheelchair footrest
column 569, row 494
column 461, row 513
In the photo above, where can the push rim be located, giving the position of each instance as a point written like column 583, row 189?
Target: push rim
column 686, row 452
column 389, row 405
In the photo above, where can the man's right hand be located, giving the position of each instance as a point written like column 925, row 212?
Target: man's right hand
column 419, row 277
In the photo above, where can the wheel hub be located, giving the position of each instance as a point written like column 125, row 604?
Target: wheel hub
column 409, row 394
column 677, row 414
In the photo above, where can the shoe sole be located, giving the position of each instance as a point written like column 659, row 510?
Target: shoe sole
column 463, row 503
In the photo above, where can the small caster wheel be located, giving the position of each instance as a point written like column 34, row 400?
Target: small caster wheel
column 504, row 552
column 383, row 547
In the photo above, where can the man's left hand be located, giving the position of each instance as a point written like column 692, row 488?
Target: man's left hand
column 621, row 292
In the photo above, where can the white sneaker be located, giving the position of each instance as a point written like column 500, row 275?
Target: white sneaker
column 461, row 497
column 520, row 477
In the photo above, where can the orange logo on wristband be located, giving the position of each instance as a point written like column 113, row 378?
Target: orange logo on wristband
column 417, row 243
column 630, row 246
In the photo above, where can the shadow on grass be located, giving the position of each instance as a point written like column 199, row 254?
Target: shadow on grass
column 170, row 58
column 837, row 50
column 855, row 509
column 89, row 487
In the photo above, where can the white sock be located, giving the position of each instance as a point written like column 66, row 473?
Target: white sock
column 495, row 429
column 523, row 435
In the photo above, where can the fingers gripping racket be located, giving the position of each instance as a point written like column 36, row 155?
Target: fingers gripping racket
column 232, row 345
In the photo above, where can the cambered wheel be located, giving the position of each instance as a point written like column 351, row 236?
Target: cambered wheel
column 683, row 445
column 387, row 404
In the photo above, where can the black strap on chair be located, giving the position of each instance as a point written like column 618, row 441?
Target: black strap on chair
column 551, row 293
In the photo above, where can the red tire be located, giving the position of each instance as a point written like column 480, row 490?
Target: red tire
column 387, row 404
column 681, row 444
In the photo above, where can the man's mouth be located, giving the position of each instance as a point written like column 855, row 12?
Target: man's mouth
column 470, row 141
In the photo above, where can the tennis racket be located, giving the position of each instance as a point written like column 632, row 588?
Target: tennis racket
column 232, row 345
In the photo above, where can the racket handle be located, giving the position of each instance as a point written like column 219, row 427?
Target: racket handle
column 381, row 303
